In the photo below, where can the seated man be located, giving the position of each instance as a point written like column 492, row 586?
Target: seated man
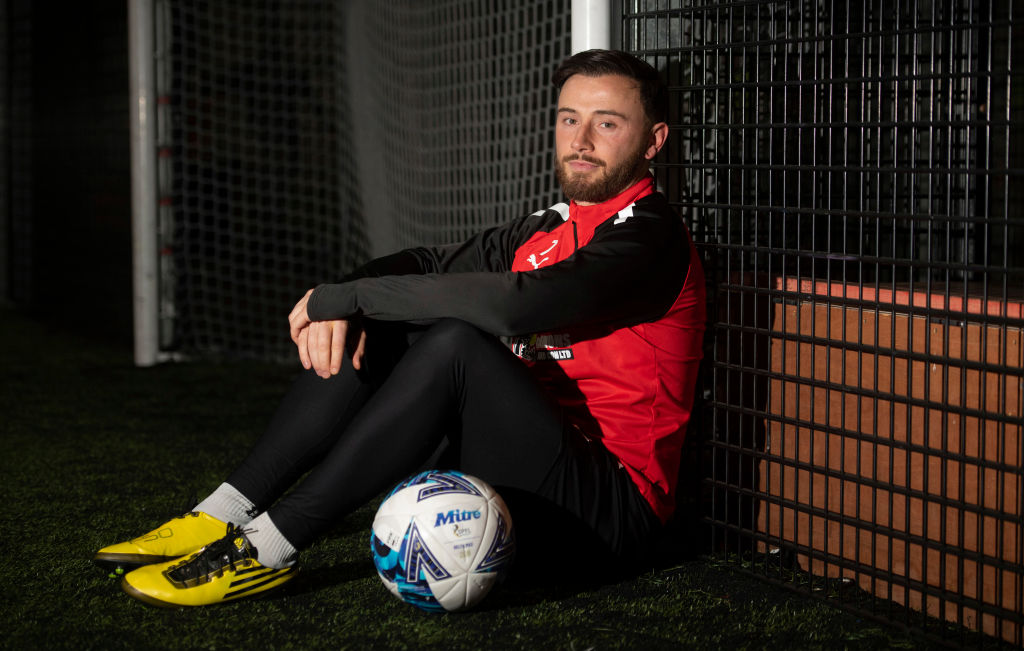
column 554, row 357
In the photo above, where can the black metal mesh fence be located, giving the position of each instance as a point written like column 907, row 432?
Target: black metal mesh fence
column 852, row 172
column 300, row 138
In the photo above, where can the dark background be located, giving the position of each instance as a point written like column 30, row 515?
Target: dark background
column 67, row 187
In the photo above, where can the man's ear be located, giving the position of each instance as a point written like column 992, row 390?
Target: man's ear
column 657, row 138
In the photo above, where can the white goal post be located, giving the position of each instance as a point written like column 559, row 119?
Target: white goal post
column 592, row 24
column 142, row 92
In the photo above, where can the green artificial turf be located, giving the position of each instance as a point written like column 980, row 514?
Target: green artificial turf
column 96, row 450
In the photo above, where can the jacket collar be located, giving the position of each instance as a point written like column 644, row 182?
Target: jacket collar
column 592, row 216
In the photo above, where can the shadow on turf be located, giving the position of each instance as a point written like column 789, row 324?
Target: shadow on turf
column 530, row 584
column 551, row 566
column 547, row 567
column 328, row 576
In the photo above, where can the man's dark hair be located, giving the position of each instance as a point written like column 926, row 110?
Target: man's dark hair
column 594, row 63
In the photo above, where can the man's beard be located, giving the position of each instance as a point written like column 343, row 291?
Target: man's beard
column 576, row 185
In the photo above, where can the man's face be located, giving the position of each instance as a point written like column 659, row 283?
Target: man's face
column 603, row 142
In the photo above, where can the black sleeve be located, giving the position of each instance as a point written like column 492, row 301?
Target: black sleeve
column 489, row 250
column 629, row 273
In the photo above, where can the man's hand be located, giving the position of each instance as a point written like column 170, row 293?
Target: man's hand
column 322, row 344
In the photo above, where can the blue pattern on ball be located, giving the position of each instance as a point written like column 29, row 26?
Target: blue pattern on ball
column 502, row 550
column 437, row 482
column 407, row 569
column 385, row 559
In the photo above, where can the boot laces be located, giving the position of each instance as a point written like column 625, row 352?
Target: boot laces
column 211, row 561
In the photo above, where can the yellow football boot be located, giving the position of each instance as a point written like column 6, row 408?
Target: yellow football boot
column 224, row 570
column 171, row 540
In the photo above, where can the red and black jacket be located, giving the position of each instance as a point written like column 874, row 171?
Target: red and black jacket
column 605, row 303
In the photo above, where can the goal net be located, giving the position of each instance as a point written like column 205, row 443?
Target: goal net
column 299, row 139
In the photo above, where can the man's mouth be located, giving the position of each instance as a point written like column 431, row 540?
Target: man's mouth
column 582, row 164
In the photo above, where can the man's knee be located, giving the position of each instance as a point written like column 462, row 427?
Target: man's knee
column 453, row 336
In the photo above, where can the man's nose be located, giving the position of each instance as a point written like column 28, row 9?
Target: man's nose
column 581, row 140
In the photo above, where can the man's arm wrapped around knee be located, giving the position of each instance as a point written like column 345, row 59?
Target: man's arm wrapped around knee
column 629, row 273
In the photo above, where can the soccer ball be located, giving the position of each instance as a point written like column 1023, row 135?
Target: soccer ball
column 441, row 540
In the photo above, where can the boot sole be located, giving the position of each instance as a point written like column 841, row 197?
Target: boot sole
column 128, row 562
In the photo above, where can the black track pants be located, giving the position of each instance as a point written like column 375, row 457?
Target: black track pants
column 449, row 387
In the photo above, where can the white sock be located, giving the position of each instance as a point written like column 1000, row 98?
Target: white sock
column 272, row 548
column 228, row 505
